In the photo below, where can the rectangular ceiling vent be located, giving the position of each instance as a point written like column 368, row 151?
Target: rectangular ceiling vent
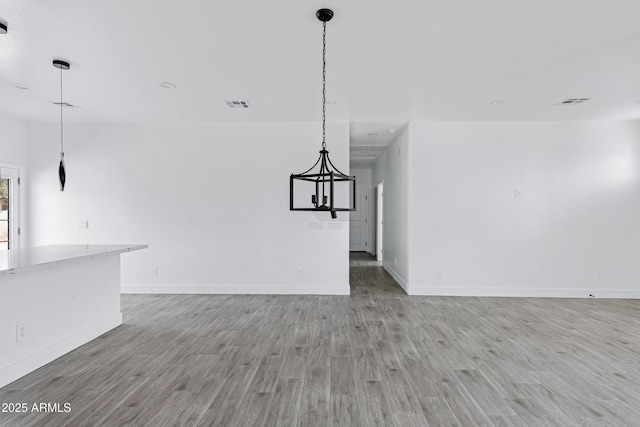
column 238, row 104
column 65, row 104
column 572, row 101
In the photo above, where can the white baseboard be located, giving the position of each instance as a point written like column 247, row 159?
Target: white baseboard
column 10, row 373
column 396, row 277
column 525, row 292
column 335, row 289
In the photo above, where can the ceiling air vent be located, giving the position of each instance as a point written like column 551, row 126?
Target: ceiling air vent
column 65, row 104
column 238, row 104
column 572, row 101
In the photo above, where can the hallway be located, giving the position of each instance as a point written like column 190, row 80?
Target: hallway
column 367, row 277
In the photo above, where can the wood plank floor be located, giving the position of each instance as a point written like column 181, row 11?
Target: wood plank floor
column 375, row 358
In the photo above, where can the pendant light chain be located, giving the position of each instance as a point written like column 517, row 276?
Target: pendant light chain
column 323, row 175
column 61, row 121
column 324, row 84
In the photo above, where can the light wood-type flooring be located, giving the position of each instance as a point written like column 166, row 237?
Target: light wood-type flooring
column 375, row 358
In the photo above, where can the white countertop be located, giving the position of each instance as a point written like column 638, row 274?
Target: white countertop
column 18, row 260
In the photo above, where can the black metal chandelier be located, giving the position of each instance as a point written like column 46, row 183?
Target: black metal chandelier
column 323, row 178
column 62, row 173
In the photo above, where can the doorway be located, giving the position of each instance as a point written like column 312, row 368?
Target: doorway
column 359, row 223
column 367, row 276
column 9, row 208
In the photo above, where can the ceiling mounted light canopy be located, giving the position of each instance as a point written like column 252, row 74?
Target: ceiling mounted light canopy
column 323, row 181
column 62, row 173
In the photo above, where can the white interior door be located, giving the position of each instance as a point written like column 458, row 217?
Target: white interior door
column 9, row 208
column 359, row 223
column 379, row 221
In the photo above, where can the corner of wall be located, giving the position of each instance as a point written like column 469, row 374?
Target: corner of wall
column 397, row 277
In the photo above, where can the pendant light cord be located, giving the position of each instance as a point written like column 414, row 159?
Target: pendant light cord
column 61, row 121
column 324, row 84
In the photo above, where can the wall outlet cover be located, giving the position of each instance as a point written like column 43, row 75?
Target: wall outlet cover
column 21, row 332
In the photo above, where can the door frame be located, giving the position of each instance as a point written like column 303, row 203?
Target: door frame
column 379, row 221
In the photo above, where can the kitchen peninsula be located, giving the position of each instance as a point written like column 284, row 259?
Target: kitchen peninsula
column 54, row 299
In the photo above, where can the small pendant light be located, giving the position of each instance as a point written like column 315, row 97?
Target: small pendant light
column 62, row 174
column 327, row 176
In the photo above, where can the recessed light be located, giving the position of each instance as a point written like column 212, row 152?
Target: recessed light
column 373, row 134
column 167, row 85
column 21, row 86
column 497, row 101
column 393, row 131
column 3, row 28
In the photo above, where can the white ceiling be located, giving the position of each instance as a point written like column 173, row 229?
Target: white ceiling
column 369, row 141
column 388, row 61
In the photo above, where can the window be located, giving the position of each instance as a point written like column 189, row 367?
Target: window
column 9, row 208
column 4, row 213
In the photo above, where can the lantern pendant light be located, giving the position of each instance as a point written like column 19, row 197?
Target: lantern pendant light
column 326, row 178
column 62, row 173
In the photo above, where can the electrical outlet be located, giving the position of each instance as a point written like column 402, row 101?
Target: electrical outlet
column 599, row 276
column 300, row 272
column 154, row 271
column 395, row 261
column 21, row 332
column 439, row 274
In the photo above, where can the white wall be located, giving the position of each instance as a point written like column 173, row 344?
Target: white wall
column 364, row 182
column 13, row 153
column 212, row 202
column 392, row 168
column 572, row 231
column 13, row 142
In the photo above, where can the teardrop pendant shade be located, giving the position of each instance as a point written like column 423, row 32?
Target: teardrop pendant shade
column 62, row 175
